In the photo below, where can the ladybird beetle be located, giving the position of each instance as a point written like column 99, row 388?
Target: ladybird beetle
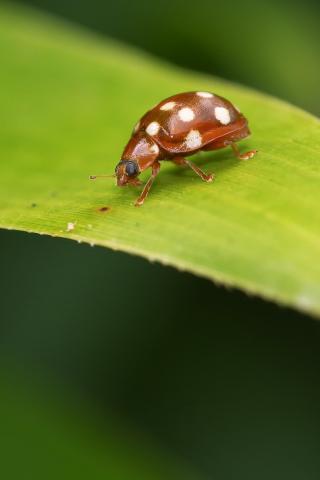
column 177, row 127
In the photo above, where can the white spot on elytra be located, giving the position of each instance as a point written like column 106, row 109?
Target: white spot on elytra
column 204, row 94
column 70, row 226
column 193, row 139
column 186, row 114
column 153, row 128
column 154, row 148
column 222, row 114
column 168, row 106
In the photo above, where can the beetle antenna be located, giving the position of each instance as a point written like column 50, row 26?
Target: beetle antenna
column 93, row 177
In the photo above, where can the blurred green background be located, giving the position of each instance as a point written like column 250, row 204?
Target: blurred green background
column 225, row 384
column 272, row 45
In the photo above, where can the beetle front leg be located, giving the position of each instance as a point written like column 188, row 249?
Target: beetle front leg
column 148, row 185
column 205, row 177
column 242, row 156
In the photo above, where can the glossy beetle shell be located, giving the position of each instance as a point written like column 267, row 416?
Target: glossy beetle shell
column 188, row 122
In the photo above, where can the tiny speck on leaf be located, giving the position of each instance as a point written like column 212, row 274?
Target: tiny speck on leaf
column 70, row 226
column 104, row 209
column 33, row 205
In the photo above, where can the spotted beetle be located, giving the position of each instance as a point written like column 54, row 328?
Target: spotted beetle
column 178, row 127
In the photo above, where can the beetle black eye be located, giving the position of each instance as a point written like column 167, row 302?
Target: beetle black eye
column 131, row 169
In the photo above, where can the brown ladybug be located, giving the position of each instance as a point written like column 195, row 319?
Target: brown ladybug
column 178, row 127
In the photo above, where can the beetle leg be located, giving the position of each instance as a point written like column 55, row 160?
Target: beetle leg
column 148, row 185
column 242, row 156
column 205, row 177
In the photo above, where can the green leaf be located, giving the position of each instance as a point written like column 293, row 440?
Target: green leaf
column 69, row 100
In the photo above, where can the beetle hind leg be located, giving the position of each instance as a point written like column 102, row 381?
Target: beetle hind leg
column 242, row 156
column 204, row 176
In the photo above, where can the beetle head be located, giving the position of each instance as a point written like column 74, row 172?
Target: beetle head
column 127, row 172
column 140, row 153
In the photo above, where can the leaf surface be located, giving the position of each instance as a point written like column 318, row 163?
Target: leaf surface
column 69, row 100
